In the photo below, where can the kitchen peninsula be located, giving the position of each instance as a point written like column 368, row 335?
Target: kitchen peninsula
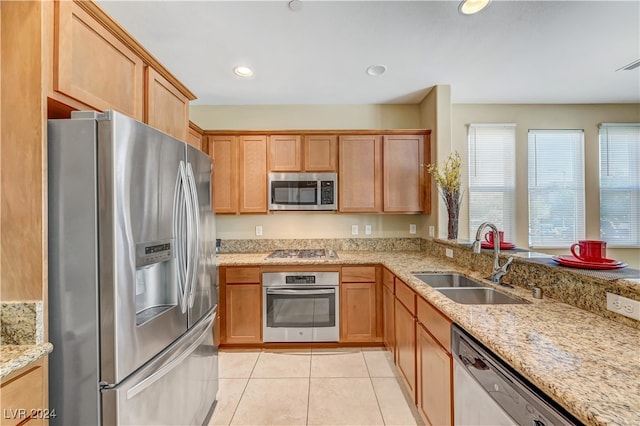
column 584, row 362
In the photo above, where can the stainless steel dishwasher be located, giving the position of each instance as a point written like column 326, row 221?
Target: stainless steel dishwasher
column 488, row 392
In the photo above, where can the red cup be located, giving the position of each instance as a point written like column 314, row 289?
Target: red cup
column 590, row 250
column 488, row 237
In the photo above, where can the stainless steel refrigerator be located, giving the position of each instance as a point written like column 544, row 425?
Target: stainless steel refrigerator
column 133, row 287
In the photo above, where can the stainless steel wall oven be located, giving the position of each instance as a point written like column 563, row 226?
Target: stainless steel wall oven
column 301, row 307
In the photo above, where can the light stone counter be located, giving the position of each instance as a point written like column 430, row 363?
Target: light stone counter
column 588, row 364
column 14, row 357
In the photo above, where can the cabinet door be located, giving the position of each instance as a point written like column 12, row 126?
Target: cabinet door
column 360, row 179
column 357, row 312
column 194, row 138
column 92, row 66
column 403, row 173
column 166, row 108
column 388, row 312
column 22, row 396
column 253, row 174
column 285, row 153
column 225, row 169
column 434, row 380
column 320, row 153
column 405, row 333
column 243, row 316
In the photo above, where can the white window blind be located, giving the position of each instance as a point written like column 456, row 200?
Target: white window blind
column 620, row 184
column 556, row 188
column 492, row 178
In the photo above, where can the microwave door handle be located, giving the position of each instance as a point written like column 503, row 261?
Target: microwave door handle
column 301, row 291
column 195, row 236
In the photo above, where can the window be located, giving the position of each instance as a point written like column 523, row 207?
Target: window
column 556, row 188
column 492, row 177
column 620, row 184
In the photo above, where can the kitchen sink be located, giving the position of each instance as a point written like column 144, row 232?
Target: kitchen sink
column 447, row 280
column 479, row 296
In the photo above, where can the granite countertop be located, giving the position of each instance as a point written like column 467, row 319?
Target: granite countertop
column 14, row 357
column 21, row 335
column 588, row 364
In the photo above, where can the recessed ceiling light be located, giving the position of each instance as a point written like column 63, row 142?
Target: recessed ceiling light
column 376, row 70
column 243, row 71
column 469, row 7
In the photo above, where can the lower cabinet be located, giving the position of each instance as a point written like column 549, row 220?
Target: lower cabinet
column 358, row 304
column 388, row 313
column 242, row 293
column 405, row 334
column 434, row 378
column 23, row 397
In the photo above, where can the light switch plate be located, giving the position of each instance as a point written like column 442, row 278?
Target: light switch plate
column 354, row 229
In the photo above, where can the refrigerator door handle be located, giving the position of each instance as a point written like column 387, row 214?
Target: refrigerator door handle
column 195, row 237
column 190, row 237
column 166, row 369
column 180, row 205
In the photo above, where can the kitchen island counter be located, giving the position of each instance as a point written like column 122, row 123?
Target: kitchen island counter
column 588, row 364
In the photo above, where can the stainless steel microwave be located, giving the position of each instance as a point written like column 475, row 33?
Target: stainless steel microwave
column 303, row 191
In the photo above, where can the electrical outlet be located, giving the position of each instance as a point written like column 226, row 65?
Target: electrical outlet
column 259, row 230
column 354, row 229
column 432, row 231
column 367, row 229
column 623, row 306
column 412, row 228
column 448, row 253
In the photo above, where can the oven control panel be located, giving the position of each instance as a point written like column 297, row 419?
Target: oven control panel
column 281, row 279
column 300, row 279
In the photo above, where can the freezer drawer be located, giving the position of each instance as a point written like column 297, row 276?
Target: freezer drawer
column 178, row 387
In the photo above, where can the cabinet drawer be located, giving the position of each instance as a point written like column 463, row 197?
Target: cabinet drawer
column 243, row 275
column 406, row 295
column 22, row 397
column 358, row 274
column 387, row 279
column 435, row 322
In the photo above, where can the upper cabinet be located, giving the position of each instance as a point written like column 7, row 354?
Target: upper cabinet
column 360, row 174
column 303, row 153
column 253, row 174
column 166, row 108
column 95, row 64
column 92, row 66
column 194, row 138
column 403, row 173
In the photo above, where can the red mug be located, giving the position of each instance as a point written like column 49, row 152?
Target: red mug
column 488, row 237
column 590, row 250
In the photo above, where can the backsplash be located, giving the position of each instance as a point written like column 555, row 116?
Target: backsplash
column 21, row 323
column 344, row 244
column 583, row 289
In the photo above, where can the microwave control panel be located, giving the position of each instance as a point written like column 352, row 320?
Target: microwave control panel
column 327, row 191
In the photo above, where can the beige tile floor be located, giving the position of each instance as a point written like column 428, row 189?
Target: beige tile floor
column 354, row 386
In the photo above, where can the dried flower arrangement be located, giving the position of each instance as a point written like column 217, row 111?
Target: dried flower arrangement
column 449, row 183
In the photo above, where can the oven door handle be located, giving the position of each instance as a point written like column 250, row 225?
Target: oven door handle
column 301, row 291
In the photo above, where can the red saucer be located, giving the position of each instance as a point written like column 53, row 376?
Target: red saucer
column 503, row 245
column 574, row 262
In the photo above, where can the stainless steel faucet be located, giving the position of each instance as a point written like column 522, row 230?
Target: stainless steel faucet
column 498, row 271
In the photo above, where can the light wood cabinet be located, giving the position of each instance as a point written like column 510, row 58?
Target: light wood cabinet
column 194, row 138
column 360, row 174
column 320, row 153
column 434, row 366
column 253, row 174
column 403, row 173
column 388, row 310
column 23, row 397
column 285, row 153
column 166, row 108
column 303, row 153
column 91, row 65
column 242, row 309
column 224, row 151
column 405, row 334
column 358, row 304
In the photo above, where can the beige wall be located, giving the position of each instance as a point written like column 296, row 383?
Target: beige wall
column 310, row 225
column 586, row 117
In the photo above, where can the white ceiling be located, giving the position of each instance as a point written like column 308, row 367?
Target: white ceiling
column 513, row 52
